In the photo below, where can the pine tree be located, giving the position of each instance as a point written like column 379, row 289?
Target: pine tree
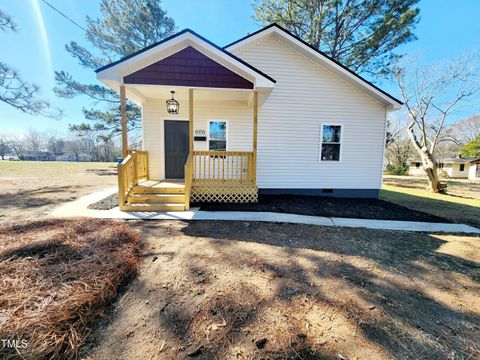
column 123, row 27
column 16, row 92
column 360, row 34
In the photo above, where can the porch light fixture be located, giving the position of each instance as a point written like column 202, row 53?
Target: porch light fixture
column 172, row 105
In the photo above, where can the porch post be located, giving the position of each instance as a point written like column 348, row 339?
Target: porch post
column 255, row 120
column 123, row 109
column 190, row 119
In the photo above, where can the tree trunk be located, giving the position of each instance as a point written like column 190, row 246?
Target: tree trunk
column 428, row 161
column 430, row 167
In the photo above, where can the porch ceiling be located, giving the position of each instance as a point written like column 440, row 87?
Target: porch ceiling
column 142, row 93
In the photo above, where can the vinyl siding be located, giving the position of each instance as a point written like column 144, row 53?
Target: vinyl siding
column 238, row 115
column 416, row 171
column 474, row 171
column 454, row 170
column 306, row 96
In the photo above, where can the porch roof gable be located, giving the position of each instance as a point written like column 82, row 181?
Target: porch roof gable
column 188, row 67
column 113, row 74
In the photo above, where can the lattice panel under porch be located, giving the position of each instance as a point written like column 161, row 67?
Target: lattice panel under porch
column 225, row 194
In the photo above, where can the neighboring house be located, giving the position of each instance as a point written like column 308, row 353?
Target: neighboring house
column 466, row 168
column 266, row 114
column 37, row 156
column 83, row 157
column 11, row 156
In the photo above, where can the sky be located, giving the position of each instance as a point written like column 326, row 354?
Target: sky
column 38, row 48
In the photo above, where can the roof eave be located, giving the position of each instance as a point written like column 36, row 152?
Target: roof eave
column 392, row 103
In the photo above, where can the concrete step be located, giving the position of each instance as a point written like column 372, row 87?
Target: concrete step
column 154, row 207
column 156, row 198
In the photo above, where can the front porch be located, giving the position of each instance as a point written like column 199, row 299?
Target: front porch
column 207, row 143
column 210, row 176
column 175, row 166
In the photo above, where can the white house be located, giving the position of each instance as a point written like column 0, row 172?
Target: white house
column 266, row 114
column 81, row 157
column 461, row 168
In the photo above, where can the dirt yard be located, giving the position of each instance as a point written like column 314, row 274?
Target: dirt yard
column 243, row 290
column 461, row 204
column 31, row 189
column 247, row 290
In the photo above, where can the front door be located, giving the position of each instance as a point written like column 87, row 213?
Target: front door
column 176, row 148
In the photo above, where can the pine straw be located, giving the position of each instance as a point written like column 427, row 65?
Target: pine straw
column 57, row 276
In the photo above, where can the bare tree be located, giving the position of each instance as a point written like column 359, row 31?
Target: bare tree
column 17, row 143
column 463, row 131
column 396, row 125
column 398, row 149
column 431, row 95
column 34, row 140
column 4, row 144
column 55, row 145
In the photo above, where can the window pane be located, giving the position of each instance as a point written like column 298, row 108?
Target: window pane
column 331, row 152
column 331, row 133
column 218, row 130
column 217, row 145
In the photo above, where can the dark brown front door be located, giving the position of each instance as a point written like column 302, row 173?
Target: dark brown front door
column 176, row 148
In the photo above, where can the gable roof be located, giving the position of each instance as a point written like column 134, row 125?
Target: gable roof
column 452, row 160
column 460, row 160
column 190, row 37
column 188, row 67
column 316, row 54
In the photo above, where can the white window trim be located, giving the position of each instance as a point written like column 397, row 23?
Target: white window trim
column 321, row 142
column 226, row 135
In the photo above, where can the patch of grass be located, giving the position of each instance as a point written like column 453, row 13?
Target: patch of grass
column 57, row 278
column 32, row 168
column 410, row 192
column 31, row 189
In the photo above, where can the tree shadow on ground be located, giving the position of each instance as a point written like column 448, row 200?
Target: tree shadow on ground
column 250, row 290
column 410, row 182
column 408, row 319
column 459, row 213
column 26, row 199
column 111, row 171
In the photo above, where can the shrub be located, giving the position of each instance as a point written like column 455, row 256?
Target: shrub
column 397, row 169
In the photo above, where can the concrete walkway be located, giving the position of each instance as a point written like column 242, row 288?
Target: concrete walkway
column 78, row 208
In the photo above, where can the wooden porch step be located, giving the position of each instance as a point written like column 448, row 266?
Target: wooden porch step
column 159, row 187
column 154, row 207
column 157, row 190
column 139, row 198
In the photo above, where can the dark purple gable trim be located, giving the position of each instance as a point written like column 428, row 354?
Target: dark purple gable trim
column 188, row 67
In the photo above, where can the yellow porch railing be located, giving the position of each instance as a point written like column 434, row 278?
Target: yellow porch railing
column 188, row 181
column 223, row 167
column 132, row 169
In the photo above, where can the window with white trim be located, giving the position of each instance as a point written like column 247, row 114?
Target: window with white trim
column 331, row 142
column 217, row 132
